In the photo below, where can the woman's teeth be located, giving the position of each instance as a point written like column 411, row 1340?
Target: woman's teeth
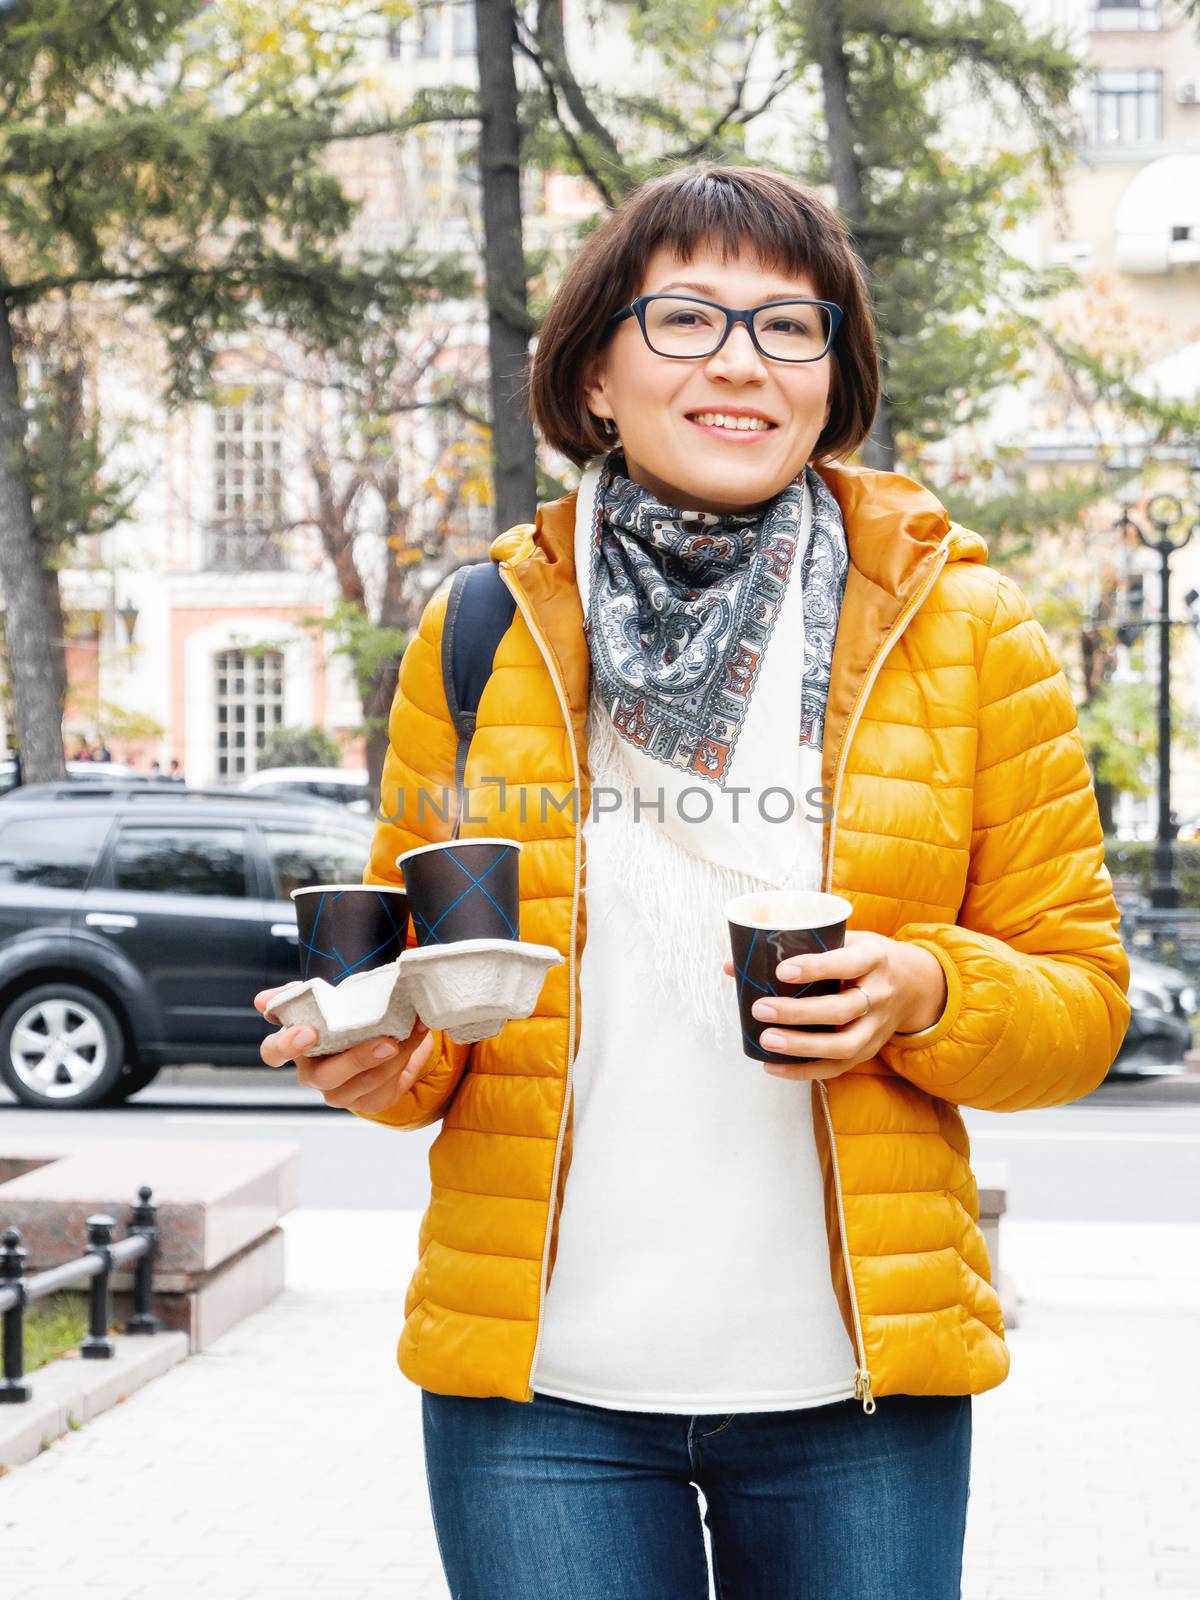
column 718, row 419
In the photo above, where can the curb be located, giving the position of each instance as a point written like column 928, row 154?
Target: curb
column 71, row 1391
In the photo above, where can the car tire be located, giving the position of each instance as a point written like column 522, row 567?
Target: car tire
column 84, row 1054
column 132, row 1081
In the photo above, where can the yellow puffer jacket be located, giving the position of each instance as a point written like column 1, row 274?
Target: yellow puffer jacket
column 963, row 820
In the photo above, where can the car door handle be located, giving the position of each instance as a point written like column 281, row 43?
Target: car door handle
column 112, row 920
column 286, row 930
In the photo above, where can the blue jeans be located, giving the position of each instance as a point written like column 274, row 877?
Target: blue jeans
column 552, row 1500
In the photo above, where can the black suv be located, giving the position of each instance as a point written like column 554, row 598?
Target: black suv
column 136, row 926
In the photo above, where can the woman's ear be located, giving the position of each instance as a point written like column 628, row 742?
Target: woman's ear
column 593, row 389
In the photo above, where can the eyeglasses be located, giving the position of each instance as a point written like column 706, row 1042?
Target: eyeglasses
column 688, row 329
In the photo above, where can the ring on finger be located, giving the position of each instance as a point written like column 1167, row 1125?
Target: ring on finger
column 865, row 996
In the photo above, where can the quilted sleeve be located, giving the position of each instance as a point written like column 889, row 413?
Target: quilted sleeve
column 1036, row 974
column 417, row 807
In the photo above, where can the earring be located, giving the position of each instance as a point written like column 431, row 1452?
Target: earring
column 610, row 427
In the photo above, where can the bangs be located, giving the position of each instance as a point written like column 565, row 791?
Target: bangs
column 731, row 220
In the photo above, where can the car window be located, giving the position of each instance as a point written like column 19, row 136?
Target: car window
column 40, row 850
column 300, row 857
column 181, row 860
column 341, row 792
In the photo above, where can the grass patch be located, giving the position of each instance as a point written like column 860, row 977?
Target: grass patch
column 53, row 1326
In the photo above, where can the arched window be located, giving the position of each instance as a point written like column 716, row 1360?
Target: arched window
column 249, row 704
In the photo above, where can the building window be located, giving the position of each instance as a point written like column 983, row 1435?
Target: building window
column 1127, row 107
column 429, row 35
column 464, row 28
column 1126, row 16
column 248, row 481
column 249, row 703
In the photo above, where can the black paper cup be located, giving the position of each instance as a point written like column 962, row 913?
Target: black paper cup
column 349, row 927
column 766, row 928
column 464, row 889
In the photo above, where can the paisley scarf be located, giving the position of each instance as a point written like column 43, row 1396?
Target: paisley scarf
column 681, row 605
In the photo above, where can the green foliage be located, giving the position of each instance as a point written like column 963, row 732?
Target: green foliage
column 936, row 217
column 175, row 151
column 1013, row 517
column 114, row 722
column 53, row 1326
column 1120, row 732
column 300, row 747
column 75, row 490
column 369, row 647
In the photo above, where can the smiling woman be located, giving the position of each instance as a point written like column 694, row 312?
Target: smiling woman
column 736, row 663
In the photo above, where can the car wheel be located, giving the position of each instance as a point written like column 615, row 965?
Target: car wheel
column 61, row 1047
column 132, row 1081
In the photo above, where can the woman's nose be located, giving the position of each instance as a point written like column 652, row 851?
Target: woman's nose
column 738, row 356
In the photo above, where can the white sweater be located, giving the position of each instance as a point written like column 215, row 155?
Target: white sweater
column 692, row 1272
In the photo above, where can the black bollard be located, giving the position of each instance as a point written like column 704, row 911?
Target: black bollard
column 144, row 1220
column 12, row 1273
column 98, row 1346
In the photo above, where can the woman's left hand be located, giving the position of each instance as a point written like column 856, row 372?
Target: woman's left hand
column 907, row 990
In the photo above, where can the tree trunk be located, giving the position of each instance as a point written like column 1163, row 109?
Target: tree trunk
column 393, row 607
column 52, row 590
column 504, row 264
column 1106, row 796
column 30, row 632
column 829, row 49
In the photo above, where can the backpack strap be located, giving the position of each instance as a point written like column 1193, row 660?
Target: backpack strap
column 478, row 613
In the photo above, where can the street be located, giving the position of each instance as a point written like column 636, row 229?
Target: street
column 1127, row 1153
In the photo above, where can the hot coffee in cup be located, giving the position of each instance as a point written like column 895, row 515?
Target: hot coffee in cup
column 349, row 927
column 765, row 929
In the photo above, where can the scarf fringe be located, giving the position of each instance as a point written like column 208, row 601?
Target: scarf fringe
column 677, row 896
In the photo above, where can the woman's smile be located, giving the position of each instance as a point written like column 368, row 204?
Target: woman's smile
column 732, row 425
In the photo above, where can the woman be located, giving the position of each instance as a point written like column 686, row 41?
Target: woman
column 777, row 1294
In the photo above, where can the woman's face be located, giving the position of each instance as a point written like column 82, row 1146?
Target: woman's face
column 655, row 399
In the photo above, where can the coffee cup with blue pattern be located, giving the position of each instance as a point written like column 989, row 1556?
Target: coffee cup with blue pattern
column 463, row 889
column 348, row 928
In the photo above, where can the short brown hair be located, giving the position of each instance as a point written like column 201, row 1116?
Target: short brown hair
column 787, row 225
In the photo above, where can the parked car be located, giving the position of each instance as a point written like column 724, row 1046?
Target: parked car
column 1162, row 1003
column 349, row 786
column 81, row 772
column 137, row 922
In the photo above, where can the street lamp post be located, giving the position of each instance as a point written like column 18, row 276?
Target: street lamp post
column 1167, row 515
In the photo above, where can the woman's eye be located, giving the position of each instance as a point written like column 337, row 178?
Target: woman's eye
column 687, row 319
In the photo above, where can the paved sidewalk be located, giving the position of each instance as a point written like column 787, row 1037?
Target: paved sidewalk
column 285, row 1462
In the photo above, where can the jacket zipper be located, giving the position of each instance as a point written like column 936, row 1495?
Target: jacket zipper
column 511, row 584
column 862, row 1377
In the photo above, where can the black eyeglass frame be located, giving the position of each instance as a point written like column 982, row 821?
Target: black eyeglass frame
column 637, row 308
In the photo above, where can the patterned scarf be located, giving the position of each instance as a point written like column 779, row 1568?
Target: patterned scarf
column 680, row 611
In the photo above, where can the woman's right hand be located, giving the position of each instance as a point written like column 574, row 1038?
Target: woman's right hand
column 369, row 1078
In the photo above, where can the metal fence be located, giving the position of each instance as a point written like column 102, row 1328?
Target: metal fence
column 95, row 1266
column 1169, row 934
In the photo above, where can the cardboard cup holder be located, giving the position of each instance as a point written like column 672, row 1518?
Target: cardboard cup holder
column 469, row 989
